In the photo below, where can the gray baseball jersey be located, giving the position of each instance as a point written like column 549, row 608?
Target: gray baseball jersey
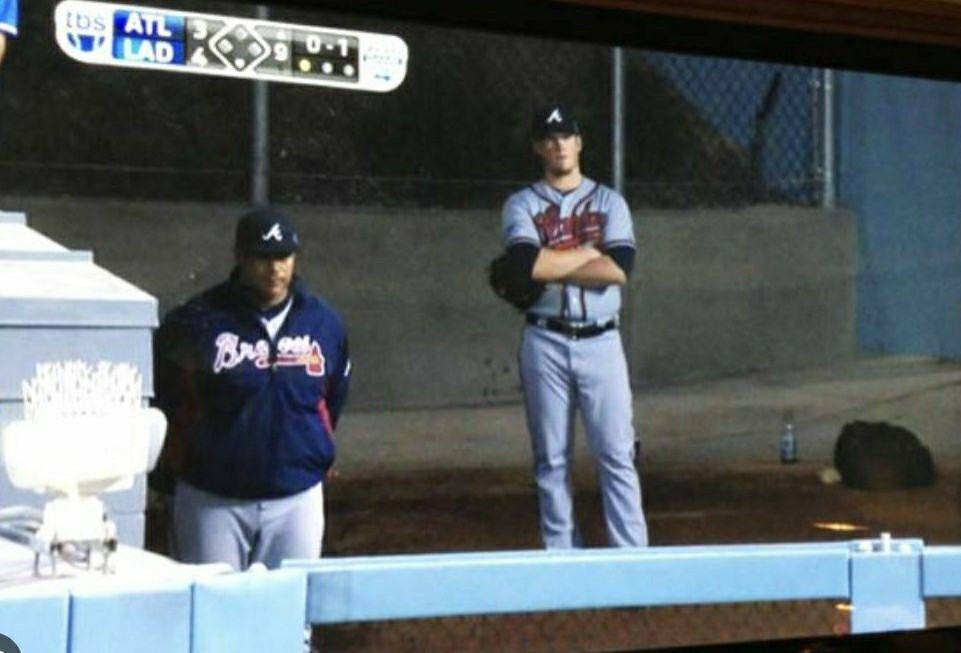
column 590, row 215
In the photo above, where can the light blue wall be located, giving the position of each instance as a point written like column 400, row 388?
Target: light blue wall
column 899, row 165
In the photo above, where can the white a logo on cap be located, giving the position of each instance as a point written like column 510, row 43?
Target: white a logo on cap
column 555, row 116
column 274, row 233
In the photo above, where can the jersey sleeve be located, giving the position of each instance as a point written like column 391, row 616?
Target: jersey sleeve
column 517, row 221
column 338, row 383
column 619, row 230
column 8, row 17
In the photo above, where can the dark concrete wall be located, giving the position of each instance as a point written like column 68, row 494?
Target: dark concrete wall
column 722, row 293
column 715, row 293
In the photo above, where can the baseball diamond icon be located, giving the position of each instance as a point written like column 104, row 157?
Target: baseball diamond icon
column 239, row 48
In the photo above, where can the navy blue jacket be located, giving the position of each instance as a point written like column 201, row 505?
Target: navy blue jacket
column 250, row 418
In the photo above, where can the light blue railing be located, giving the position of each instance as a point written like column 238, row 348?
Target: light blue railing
column 885, row 581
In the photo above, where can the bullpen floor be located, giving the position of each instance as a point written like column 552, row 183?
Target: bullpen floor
column 459, row 480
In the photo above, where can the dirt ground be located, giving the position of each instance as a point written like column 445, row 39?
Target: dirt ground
column 495, row 509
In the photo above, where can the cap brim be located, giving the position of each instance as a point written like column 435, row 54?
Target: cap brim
column 269, row 252
column 540, row 135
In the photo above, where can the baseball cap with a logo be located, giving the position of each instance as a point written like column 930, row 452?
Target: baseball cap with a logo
column 267, row 233
column 553, row 119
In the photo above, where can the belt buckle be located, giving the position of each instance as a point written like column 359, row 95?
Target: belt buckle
column 576, row 332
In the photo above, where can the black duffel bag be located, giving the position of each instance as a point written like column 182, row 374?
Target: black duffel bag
column 882, row 456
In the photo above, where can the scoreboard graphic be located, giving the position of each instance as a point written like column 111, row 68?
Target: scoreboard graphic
column 228, row 46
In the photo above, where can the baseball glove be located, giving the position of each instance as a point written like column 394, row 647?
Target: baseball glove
column 516, row 289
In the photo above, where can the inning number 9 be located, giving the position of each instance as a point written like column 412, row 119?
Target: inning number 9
column 281, row 52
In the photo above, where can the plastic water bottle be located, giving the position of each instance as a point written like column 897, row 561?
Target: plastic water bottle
column 788, row 443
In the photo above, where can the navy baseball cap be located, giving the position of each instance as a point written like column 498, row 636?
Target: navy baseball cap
column 267, row 233
column 554, row 119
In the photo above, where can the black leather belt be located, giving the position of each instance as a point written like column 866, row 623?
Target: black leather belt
column 571, row 330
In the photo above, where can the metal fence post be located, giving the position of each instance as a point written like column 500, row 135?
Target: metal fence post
column 618, row 120
column 886, row 590
column 260, row 135
column 824, row 133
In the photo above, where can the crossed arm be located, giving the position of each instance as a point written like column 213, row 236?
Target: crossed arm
column 584, row 266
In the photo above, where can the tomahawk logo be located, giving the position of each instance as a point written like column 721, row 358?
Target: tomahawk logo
column 274, row 233
column 555, row 116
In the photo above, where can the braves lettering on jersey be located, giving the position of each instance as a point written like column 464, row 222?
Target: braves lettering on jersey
column 8, row 17
column 255, row 415
column 590, row 215
column 297, row 351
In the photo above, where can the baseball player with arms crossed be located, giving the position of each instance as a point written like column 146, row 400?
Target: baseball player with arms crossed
column 575, row 236
column 252, row 375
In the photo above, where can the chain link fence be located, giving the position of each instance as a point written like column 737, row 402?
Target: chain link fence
column 726, row 133
column 584, row 631
column 782, row 626
column 699, row 132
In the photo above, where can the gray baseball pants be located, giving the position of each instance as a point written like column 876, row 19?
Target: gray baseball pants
column 210, row 528
column 562, row 376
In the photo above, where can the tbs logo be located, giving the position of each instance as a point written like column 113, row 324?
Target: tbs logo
column 85, row 32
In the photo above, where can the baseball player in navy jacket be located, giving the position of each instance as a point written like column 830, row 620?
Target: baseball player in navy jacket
column 252, row 375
